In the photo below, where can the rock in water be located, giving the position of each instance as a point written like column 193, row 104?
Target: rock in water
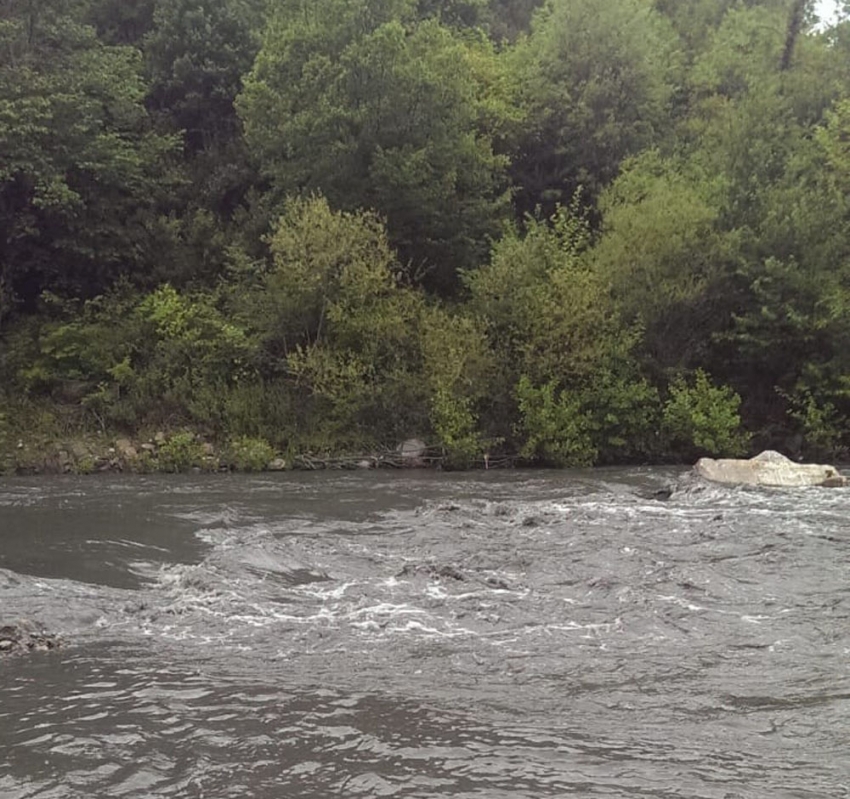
column 24, row 637
column 768, row 469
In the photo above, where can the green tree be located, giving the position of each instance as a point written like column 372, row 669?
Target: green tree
column 792, row 328
column 596, row 84
column 334, row 323
column 547, row 314
column 79, row 175
column 376, row 110
column 668, row 261
column 702, row 419
column 563, row 355
column 458, row 372
column 510, row 19
column 121, row 21
column 196, row 54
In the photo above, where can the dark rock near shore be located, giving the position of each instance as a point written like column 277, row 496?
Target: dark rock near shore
column 23, row 637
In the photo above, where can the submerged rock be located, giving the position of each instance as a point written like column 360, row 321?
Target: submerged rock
column 23, row 637
column 768, row 469
column 432, row 570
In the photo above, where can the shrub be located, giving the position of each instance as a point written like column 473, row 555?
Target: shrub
column 246, row 454
column 180, row 453
column 553, row 425
column 624, row 414
column 821, row 424
column 457, row 372
column 700, row 418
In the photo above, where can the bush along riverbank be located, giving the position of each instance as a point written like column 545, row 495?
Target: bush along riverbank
column 553, row 429
column 324, row 354
column 180, row 451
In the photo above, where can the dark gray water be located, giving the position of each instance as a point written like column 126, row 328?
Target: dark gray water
column 423, row 635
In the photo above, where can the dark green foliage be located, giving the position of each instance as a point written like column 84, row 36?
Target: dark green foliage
column 596, row 79
column 196, row 54
column 81, row 169
column 121, row 21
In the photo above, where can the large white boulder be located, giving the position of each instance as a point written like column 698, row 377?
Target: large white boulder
column 768, row 469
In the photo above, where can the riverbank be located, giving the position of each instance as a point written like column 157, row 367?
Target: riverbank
column 187, row 451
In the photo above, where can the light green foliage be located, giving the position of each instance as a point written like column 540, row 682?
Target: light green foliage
column 546, row 312
column 551, row 320
column 553, row 425
column 346, row 332
column 702, row 419
column 246, row 454
column 458, row 369
column 665, row 257
column 612, row 418
column 180, row 452
column 322, row 264
column 367, row 105
column 191, row 357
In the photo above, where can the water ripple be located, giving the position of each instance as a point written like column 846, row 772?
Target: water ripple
column 508, row 635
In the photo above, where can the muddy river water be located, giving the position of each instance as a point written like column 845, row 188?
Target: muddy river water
column 387, row 634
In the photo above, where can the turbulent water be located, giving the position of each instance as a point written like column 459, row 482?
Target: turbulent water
column 425, row 635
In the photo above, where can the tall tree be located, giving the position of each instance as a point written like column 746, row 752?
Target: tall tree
column 597, row 78
column 121, row 21
column 378, row 110
column 77, row 179
column 196, row 56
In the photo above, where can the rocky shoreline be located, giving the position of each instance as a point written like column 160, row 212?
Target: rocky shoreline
column 186, row 451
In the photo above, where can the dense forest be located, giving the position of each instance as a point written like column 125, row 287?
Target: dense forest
column 573, row 231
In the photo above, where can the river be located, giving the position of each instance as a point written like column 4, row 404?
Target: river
column 423, row 634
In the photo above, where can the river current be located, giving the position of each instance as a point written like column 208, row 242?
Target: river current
column 418, row 634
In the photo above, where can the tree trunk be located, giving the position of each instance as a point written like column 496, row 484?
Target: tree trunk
column 795, row 25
